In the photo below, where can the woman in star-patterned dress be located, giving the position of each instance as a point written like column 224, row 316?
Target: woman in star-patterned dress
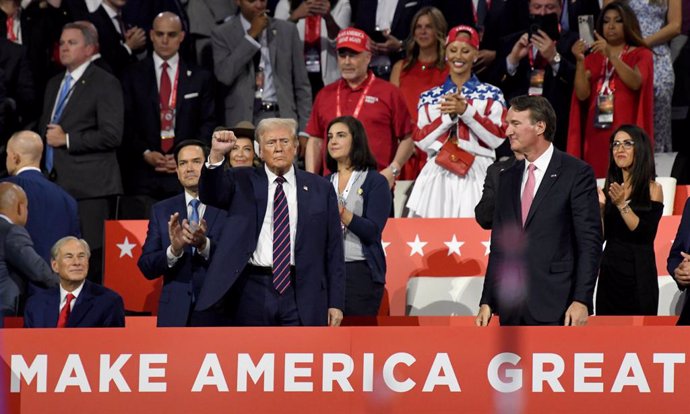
column 467, row 111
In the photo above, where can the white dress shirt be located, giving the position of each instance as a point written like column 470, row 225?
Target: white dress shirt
column 63, row 297
column 269, row 92
column 541, row 164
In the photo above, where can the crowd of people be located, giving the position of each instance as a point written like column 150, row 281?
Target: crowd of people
column 214, row 120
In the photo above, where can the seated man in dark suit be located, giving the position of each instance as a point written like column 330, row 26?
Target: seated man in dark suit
column 20, row 265
column 180, row 242
column 275, row 269
column 76, row 303
column 52, row 211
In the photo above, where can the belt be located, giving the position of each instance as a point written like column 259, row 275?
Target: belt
column 267, row 106
column 263, row 270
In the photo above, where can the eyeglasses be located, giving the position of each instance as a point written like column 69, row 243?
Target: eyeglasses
column 627, row 144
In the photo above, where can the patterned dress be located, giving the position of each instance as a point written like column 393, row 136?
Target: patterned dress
column 652, row 18
column 480, row 129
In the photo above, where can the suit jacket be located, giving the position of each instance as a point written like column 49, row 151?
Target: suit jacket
column 559, row 248
column 319, row 262
column 194, row 118
column 111, row 47
column 681, row 244
column 19, row 87
column 484, row 210
column 93, row 118
column 234, row 67
column 364, row 16
column 19, row 265
column 96, row 307
column 53, row 212
column 558, row 87
column 177, row 297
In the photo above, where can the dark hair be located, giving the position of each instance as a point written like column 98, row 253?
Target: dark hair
column 642, row 171
column 539, row 110
column 441, row 28
column 631, row 26
column 361, row 157
column 191, row 142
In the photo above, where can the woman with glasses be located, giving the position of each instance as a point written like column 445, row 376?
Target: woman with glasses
column 365, row 203
column 631, row 207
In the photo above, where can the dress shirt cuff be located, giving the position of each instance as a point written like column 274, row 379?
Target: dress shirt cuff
column 510, row 68
column 211, row 165
column 206, row 252
column 127, row 48
column 172, row 259
column 252, row 41
column 67, row 140
column 555, row 66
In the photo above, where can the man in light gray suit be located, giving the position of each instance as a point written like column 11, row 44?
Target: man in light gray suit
column 82, row 122
column 19, row 262
column 203, row 16
column 261, row 61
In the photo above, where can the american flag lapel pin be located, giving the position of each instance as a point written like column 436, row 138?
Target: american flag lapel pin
column 554, row 175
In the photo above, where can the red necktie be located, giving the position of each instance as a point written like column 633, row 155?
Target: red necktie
column 528, row 192
column 166, row 115
column 11, row 36
column 64, row 313
column 281, row 238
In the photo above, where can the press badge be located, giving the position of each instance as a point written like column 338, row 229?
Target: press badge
column 536, row 82
column 312, row 60
column 604, row 112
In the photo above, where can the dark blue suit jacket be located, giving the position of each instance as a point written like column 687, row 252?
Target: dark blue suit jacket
column 319, row 263
column 96, row 307
column 369, row 226
column 681, row 244
column 559, row 247
column 194, row 119
column 177, row 297
column 53, row 212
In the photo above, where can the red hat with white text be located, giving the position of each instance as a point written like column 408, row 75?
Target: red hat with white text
column 353, row 39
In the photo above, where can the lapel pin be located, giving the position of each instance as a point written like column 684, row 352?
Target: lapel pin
column 189, row 73
column 274, row 32
column 305, row 188
column 554, row 175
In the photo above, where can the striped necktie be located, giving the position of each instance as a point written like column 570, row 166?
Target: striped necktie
column 281, row 238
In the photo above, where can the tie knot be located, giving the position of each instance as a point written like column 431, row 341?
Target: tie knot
column 280, row 179
column 70, row 297
column 195, row 203
column 531, row 167
column 165, row 65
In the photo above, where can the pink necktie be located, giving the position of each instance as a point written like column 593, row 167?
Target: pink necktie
column 528, row 192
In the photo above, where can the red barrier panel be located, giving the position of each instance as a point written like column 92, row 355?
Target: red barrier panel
column 414, row 247
column 420, row 369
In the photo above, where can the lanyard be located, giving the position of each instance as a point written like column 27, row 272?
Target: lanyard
column 312, row 30
column 608, row 84
column 173, row 93
column 338, row 110
column 354, row 177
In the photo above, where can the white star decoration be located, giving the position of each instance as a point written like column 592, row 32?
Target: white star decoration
column 454, row 246
column 385, row 245
column 487, row 245
column 417, row 246
column 126, row 248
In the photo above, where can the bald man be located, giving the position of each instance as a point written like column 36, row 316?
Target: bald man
column 20, row 265
column 53, row 212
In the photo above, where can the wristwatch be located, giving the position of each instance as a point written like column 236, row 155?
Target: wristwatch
column 394, row 170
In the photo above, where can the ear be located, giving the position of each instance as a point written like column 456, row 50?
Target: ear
column 54, row 265
column 540, row 127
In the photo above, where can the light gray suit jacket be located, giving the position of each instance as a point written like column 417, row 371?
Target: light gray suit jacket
column 19, row 264
column 233, row 65
column 93, row 118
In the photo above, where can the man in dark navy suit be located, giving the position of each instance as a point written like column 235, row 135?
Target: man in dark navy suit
column 280, row 257
column 167, row 100
column 52, row 211
column 76, row 303
column 180, row 242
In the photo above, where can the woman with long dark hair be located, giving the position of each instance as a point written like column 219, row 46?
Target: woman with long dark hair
column 632, row 205
column 365, row 202
column 613, row 85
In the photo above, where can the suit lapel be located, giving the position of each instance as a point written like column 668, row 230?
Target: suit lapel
column 303, row 204
column 272, row 46
column 77, row 90
column 82, row 306
column 152, row 84
column 514, row 180
column 550, row 176
column 182, row 84
column 52, row 309
column 260, row 183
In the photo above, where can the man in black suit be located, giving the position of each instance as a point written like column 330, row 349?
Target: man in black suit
column 484, row 210
column 82, row 125
column 547, row 237
column 120, row 41
column 540, row 65
column 76, row 303
column 19, row 88
column 181, row 92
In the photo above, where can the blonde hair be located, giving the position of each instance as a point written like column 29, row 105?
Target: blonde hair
column 276, row 123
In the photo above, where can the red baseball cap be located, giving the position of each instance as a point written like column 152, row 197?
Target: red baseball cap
column 353, row 39
column 454, row 32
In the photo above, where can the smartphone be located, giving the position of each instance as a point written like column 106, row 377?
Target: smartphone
column 378, row 36
column 585, row 25
column 548, row 23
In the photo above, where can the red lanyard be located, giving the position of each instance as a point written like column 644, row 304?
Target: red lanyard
column 338, row 110
column 474, row 9
column 606, row 84
column 173, row 93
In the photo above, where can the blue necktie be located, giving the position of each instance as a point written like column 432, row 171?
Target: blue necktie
column 61, row 102
column 194, row 216
column 281, row 238
column 565, row 22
